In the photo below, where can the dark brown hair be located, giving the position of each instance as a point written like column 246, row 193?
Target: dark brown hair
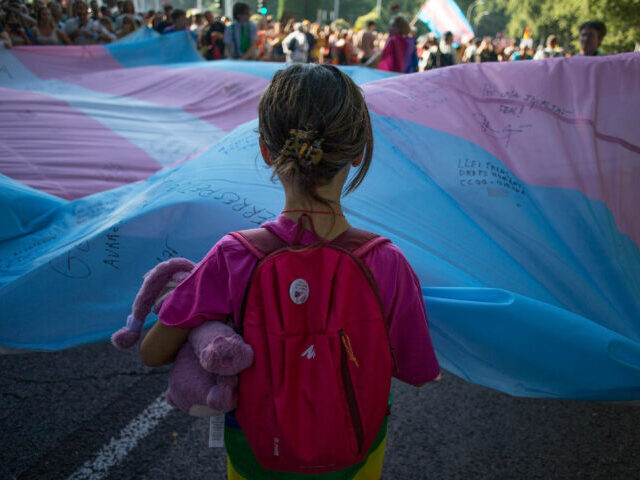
column 399, row 25
column 325, row 102
column 597, row 25
column 240, row 8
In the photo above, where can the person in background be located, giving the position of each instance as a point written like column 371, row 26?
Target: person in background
column 19, row 33
column 411, row 59
column 198, row 24
column 262, row 39
column 5, row 39
column 443, row 54
column 95, row 10
column 105, row 12
column 128, row 9
column 522, row 53
column 178, row 22
column 128, row 25
column 591, row 35
column 471, row 52
column 57, row 15
column 276, row 51
column 295, row 46
column 156, row 20
column 241, row 36
column 424, row 45
column 316, row 54
column 311, row 38
column 551, row 50
column 46, row 32
column 394, row 54
column 166, row 21
column 114, row 10
column 108, row 25
column 365, row 42
column 212, row 38
column 342, row 49
column 81, row 30
column 487, row 51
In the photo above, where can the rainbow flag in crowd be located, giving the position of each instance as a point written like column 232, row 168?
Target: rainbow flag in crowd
column 511, row 188
column 445, row 15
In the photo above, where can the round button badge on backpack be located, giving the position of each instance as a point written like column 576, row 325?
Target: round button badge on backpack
column 299, row 291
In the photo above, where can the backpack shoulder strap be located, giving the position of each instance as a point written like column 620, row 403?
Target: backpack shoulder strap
column 358, row 242
column 259, row 241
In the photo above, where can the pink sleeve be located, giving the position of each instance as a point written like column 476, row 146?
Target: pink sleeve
column 211, row 292
column 403, row 303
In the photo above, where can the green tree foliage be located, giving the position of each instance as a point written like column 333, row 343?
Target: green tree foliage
column 623, row 23
column 562, row 18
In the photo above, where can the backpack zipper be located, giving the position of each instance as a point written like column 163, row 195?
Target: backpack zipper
column 346, row 356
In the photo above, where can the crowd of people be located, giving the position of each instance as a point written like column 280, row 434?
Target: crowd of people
column 398, row 48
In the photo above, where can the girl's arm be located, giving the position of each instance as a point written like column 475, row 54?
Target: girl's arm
column 30, row 21
column 161, row 344
column 62, row 37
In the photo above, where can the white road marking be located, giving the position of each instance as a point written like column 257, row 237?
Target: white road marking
column 118, row 448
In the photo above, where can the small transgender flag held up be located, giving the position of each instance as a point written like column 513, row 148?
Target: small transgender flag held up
column 445, row 15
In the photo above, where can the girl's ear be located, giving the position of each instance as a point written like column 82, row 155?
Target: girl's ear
column 358, row 160
column 266, row 156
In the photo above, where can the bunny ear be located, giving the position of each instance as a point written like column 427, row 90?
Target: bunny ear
column 155, row 283
column 158, row 283
column 128, row 335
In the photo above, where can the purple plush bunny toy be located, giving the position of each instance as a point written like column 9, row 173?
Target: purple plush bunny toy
column 203, row 381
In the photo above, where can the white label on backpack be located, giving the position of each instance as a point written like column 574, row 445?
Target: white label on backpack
column 276, row 451
column 299, row 291
column 216, row 431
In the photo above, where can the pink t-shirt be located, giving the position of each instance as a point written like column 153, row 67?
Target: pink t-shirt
column 216, row 288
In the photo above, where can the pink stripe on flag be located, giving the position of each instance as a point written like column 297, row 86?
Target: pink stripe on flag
column 55, row 148
column 567, row 123
column 49, row 62
column 223, row 98
column 445, row 19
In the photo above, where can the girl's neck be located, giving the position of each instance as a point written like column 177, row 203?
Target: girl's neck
column 328, row 222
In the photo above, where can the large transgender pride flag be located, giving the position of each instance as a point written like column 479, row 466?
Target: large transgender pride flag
column 512, row 189
column 445, row 15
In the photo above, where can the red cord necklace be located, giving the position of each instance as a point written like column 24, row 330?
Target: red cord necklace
column 313, row 211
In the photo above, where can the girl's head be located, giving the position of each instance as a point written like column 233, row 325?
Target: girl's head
column 43, row 15
column 56, row 10
column 314, row 122
column 128, row 24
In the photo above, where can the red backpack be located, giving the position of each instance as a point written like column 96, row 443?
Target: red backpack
column 317, row 393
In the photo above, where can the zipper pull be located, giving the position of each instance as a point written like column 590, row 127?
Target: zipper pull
column 346, row 342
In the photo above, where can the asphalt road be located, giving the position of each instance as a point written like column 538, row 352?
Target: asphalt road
column 90, row 413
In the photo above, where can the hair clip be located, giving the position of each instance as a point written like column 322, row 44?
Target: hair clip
column 304, row 146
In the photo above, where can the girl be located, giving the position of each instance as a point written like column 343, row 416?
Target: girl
column 128, row 24
column 321, row 105
column 45, row 32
